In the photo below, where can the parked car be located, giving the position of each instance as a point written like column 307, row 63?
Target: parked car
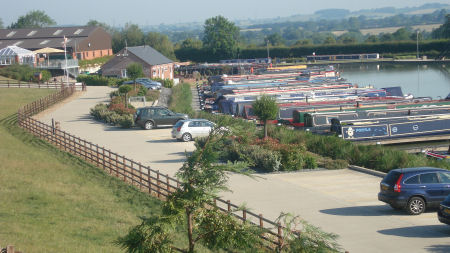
column 444, row 211
column 156, row 116
column 187, row 130
column 146, row 82
column 415, row 189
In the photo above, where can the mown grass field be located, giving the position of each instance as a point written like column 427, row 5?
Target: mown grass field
column 54, row 202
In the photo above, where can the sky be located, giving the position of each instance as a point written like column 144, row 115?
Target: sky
column 155, row 12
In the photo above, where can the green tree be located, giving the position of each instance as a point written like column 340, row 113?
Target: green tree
column 402, row 34
column 329, row 40
column 221, row 37
column 135, row 70
column 191, row 43
column 33, row 19
column 372, row 39
column 1, row 24
column 275, row 39
column 192, row 206
column 103, row 25
column 265, row 108
column 133, row 35
column 443, row 32
column 161, row 43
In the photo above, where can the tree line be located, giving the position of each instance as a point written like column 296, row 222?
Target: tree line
column 222, row 39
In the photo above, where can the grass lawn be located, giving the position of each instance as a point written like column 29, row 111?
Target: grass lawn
column 54, row 202
column 4, row 78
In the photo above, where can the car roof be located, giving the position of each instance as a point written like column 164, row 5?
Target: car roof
column 418, row 169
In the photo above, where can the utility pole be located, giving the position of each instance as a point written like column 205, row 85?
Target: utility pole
column 417, row 43
column 267, row 44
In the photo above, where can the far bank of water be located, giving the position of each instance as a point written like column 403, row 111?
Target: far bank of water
column 419, row 79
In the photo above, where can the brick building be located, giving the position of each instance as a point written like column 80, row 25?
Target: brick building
column 83, row 42
column 155, row 65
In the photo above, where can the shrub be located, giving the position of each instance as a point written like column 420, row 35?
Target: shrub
column 260, row 158
column 24, row 73
column 181, row 99
column 152, row 95
column 116, row 114
column 96, row 80
column 126, row 121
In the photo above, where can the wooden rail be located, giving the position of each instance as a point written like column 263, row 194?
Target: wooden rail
column 135, row 173
column 44, row 85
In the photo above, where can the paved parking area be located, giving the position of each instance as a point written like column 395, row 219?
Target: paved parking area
column 339, row 201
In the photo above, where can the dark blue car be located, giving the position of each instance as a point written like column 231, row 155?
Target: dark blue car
column 444, row 211
column 415, row 189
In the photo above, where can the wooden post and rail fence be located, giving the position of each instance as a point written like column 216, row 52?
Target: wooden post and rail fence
column 143, row 177
column 40, row 85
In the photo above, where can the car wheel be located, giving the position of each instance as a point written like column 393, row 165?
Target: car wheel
column 149, row 125
column 186, row 137
column 416, row 205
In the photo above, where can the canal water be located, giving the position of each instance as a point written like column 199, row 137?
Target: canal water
column 418, row 79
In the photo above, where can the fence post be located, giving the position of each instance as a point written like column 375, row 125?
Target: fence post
column 261, row 224
column 117, row 166
column 96, row 156
column 157, row 183
column 168, row 184
column 103, row 158
column 149, row 180
column 109, row 159
column 280, row 237
column 244, row 215
column 229, row 205
column 8, row 83
column 140, row 176
column 9, row 249
column 124, row 169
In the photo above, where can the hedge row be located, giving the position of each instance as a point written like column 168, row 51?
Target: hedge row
column 96, row 80
column 24, row 73
column 341, row 152
column 435, row 47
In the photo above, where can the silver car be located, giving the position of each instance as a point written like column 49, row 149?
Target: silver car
column 186, row 130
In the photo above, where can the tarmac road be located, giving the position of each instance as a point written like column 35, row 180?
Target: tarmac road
column 339, row 201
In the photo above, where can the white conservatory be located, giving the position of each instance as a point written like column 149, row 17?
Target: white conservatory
column 16, row 55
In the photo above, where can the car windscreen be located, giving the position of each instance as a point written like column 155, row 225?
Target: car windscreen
column 391, row 178
column 178, row 124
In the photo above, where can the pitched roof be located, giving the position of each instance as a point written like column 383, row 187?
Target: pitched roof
column 149, row 55
column 44, row 37
column 13, row 50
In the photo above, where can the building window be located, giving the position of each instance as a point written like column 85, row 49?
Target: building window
column 123, row 73
column 11, row 34
column 31, row 33
column 78, row 31
column 57, row 32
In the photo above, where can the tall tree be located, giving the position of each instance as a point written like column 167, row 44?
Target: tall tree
column 265, row 109
column 221, row 37
column 133, row 35
column 161, row 43
column 103, row 25
column 192, row 206
column 191, row 43
column 33, row 19
column 275, row 39
column 443, row 32
column 135, row 70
